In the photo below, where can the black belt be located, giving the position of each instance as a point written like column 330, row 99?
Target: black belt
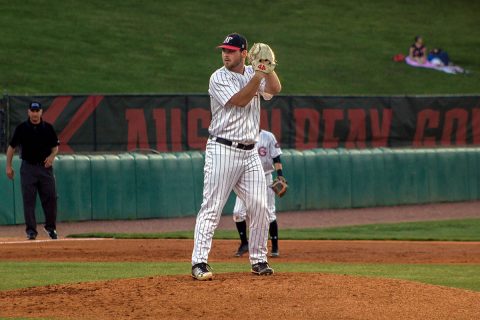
column 234, row 144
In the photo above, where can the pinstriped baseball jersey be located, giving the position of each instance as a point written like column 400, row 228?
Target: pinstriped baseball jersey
column 268, row 148
column 231, row 122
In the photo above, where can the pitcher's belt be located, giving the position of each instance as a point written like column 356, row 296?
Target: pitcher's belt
column 233, row 144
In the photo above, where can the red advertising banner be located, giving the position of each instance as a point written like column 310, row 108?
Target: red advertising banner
column 117, row 123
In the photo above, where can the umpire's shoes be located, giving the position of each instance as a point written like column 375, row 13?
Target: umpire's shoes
column 242, row 249
column 52, row 233
column 262, row 269
column 202, row 271
column 31, row 236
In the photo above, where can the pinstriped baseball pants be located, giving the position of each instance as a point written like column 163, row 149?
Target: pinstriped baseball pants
column 239, row 211
column 226, row 169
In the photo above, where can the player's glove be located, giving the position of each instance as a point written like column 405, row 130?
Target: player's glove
column 262, row 58
column 279, row 186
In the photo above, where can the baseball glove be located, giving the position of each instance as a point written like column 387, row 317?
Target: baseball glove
column 279, row 186
column 262, row 58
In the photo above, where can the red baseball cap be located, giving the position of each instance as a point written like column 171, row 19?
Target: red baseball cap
column 234, row 41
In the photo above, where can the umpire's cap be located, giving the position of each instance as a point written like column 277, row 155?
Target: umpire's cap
column 35, row 106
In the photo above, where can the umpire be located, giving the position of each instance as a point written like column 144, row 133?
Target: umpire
column 39, row 146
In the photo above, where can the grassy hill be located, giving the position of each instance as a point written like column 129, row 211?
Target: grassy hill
column 323, row 47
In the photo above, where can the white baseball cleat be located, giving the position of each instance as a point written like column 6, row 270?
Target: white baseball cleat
column 202, row 271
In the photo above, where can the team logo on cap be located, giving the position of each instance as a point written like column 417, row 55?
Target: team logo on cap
column 228, row 39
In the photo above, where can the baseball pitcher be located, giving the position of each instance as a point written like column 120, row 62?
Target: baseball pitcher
column 231, row 160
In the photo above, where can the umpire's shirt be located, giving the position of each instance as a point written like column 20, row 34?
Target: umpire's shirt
column 36, row 141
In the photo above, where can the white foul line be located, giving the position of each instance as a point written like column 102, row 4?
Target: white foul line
column 56, row 240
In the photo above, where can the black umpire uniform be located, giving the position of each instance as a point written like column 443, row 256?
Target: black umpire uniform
column 39, row 145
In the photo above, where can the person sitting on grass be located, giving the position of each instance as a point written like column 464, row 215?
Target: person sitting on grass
column 440, row 58
column 418, row 51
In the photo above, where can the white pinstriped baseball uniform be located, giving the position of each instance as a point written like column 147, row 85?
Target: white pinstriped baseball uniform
column 228, row 167
column 268, row 148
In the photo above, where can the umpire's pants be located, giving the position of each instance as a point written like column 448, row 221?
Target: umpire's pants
column 36, row 178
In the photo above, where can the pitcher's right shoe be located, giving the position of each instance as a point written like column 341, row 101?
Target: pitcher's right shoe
column 262, row 269
column 202, row 271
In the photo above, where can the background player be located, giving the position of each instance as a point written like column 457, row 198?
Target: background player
column 231, row 160
column 269, row 152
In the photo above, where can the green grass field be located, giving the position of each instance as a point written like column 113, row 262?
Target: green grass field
column 447, row 230
column 30, row 274
column 34, row 273
column 329, row 47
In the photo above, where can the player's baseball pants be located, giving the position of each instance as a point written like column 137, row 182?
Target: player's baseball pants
column 240, row 211
column 228, row 168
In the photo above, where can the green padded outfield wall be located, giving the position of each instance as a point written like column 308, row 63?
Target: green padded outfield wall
column 137, row 186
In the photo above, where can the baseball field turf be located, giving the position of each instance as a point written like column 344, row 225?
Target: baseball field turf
column 337, row 47
column 48, row 273
column 42, row 273
column 448, row 230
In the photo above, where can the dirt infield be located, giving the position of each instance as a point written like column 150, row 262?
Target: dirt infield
column 223, row 250
column 242, row 295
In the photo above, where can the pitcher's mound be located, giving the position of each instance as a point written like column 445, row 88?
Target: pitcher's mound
column 244, row 296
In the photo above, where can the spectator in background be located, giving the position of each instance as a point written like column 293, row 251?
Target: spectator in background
column 39, row 146
column 418, row 51
column 438, row 57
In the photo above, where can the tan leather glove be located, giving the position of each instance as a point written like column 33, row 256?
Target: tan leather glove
column 262, row 58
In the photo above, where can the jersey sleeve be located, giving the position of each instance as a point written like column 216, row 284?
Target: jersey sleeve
column 261, row 90
column 274, row 147
column 222, row 88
